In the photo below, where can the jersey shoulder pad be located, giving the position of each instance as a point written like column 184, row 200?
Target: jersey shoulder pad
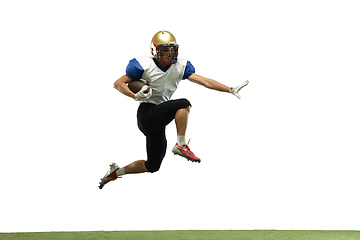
column 145, row 62
column 182, row 61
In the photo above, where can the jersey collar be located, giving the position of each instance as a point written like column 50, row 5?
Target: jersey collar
column 162, row 69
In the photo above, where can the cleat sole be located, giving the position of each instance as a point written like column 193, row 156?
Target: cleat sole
column 191, row 160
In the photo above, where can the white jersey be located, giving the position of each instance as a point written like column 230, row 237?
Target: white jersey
column 163, row 83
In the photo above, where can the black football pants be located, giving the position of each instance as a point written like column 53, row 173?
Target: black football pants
column 152, row 120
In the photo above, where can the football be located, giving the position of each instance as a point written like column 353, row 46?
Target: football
column 136, row 86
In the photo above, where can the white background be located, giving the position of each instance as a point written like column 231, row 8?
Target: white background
column 285, row 156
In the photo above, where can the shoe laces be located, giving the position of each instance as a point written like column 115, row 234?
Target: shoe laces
column 187, row 147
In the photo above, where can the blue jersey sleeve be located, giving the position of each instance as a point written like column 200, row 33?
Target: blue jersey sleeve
column 189, row 70
column 134, row 70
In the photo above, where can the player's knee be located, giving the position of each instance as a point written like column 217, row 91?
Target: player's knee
column 187, row 109
column 185, row 103
column 152, row 167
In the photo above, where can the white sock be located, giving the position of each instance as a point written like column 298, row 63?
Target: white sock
column 181, row 140
column 120, row 172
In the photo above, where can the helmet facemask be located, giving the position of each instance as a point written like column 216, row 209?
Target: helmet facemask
column 168, row 53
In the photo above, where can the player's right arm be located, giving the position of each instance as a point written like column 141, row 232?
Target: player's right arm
column 134, row 71
column 121, row 86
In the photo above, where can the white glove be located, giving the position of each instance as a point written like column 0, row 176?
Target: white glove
column 141, row 95
column 235, row 90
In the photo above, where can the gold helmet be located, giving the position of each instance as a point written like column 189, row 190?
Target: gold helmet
column 164, row 39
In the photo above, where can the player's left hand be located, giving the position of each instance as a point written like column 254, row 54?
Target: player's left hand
column 235, row 90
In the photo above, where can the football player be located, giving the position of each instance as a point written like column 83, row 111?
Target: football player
column 162, row 72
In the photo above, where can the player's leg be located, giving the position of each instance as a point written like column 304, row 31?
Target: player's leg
column 156, row 145
column 115, row 172
column 134, row 167
column 181, row 148
column 158, row 116
column 179, row 110
column 156, row 149
column 181, row 121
